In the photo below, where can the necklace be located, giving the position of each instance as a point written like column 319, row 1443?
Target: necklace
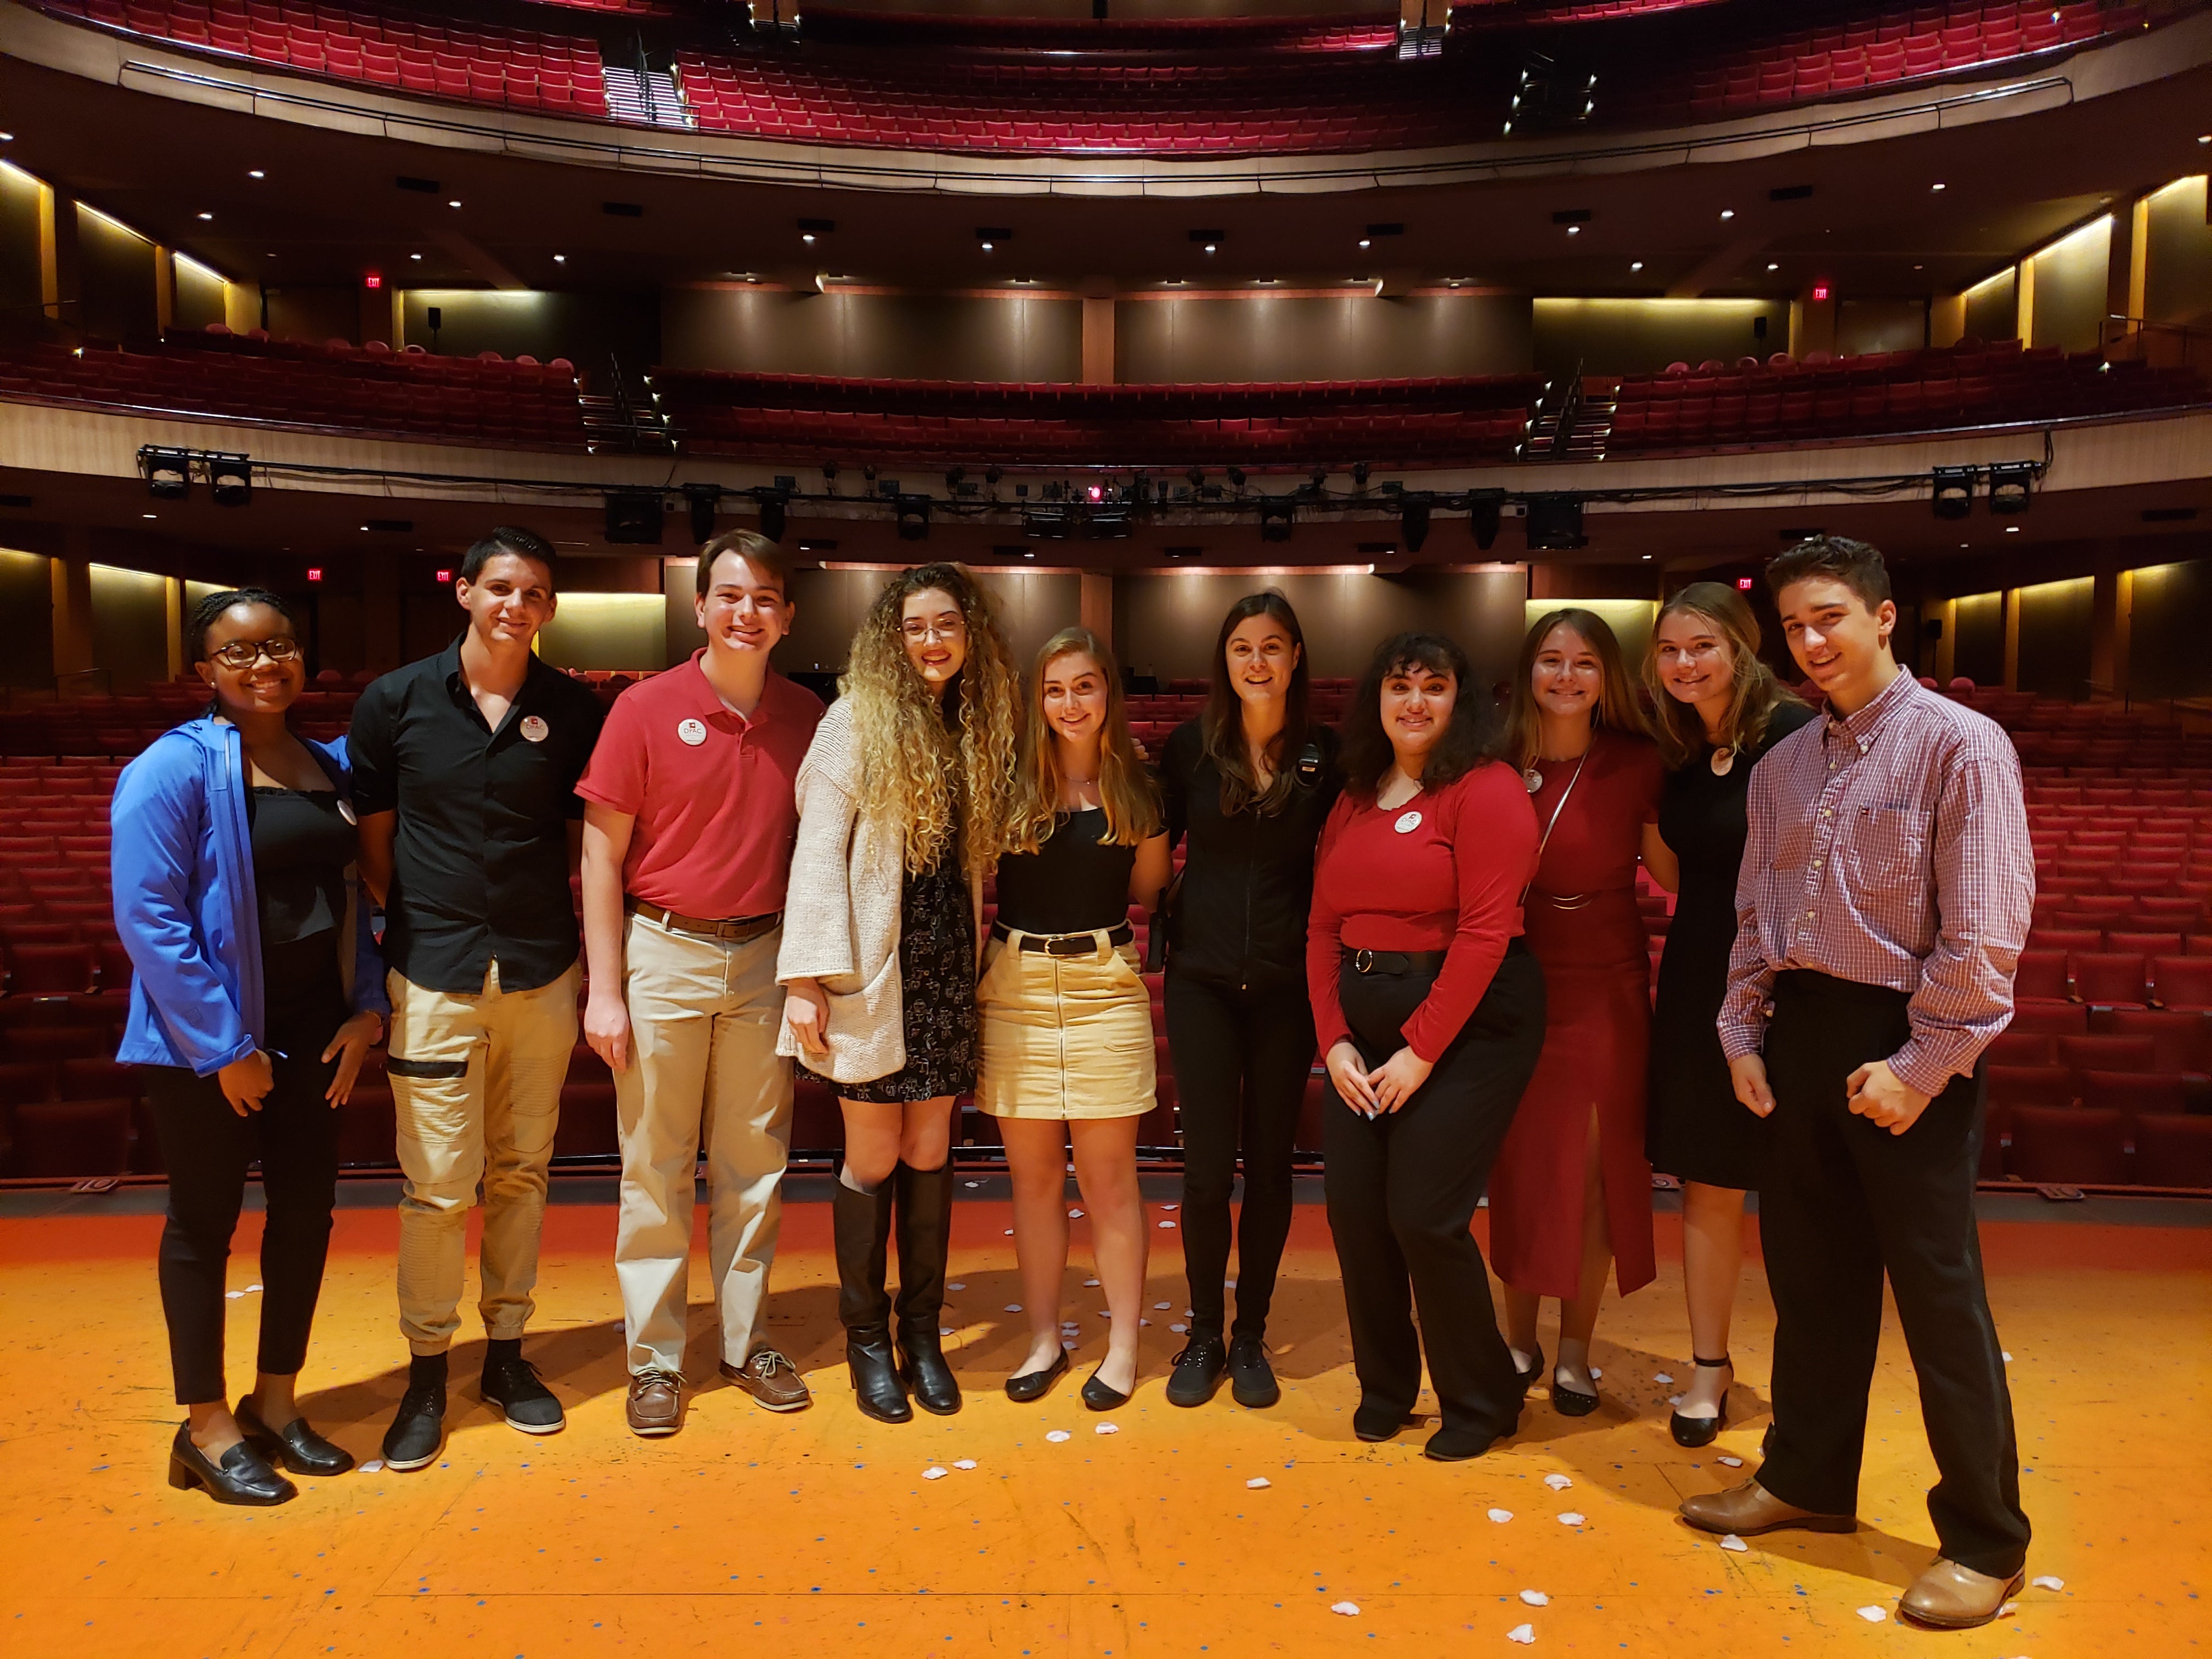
column 1722, row 760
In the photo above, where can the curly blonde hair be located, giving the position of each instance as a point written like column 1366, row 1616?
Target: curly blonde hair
column 924, row 769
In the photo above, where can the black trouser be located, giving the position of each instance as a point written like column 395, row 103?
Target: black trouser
column 1403, row 1189
column 1846, row 1199
column 208, row 1146
column 1241, row 1058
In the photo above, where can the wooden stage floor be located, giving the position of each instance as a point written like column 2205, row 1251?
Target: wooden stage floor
column 821, row 1532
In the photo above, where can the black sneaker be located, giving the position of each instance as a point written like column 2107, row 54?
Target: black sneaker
column 418, row 1428
column 511, row 1382
column 1251, row 1378
column 1199, row 1370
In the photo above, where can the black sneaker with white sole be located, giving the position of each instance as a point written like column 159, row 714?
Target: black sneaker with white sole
column 417, row 1433
column 511, row 1382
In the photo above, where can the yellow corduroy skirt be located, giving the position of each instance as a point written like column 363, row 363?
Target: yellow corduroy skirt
column 1064, row 1037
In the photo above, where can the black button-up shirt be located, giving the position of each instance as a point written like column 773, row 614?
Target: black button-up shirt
column 480, row 862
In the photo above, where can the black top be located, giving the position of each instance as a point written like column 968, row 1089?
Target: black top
column 1694, row 1127
column 301, row 846
column 1071, row 884
column 1240, row 914
column 480, row 866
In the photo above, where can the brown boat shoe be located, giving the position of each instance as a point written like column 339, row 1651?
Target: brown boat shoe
column 772, row 1380
column 656, row 1404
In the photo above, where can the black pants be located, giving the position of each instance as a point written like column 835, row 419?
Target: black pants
column 1846, row 1199
column 208, row 1147
column 1403, row 1189
column 1241, row 1058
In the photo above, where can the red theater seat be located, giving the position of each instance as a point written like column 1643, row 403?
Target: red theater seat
column 2110, row 977
column 2069, row 1145
column 2184, row 982
column 70, row 1139
column 2173, row 1151
column 2108, row 1053
column 2031, row 1085
column 587, row 1121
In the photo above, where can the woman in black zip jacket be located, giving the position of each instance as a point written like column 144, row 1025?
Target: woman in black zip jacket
column 1250, row 781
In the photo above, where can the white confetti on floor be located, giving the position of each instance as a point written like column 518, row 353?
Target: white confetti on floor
column 1075, row 1215
column 1501, row 1516
column 1536, row 1598
column 1524, row 1634
column 1013, row 1307
column 372, row 1466
column 2048, row 1581
column 1057, row 1436
column 1733, row 1542
column 1558, row 1482
column 965, row 1464
column 933, row 1473
column 1159, row 1307
column 1167, row 1224
column 1874, row 1615
column 944, row 1330
column 1349, row 1610
column 1660, row 1377
column 1178, row 1328
column 1108, row 1428
column 1733, row 1462
column 956, row 1285
column 1258, row 1483
column 1571, row 1518
column 1090, row 1283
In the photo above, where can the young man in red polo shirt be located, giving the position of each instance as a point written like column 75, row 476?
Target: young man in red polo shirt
column 689, row 818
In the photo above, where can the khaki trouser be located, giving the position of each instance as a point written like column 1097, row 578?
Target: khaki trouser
column 703, row 1017
column 476, row 1080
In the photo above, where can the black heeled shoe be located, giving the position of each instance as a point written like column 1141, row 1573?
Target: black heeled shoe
column 1695, row 1431
column 1098, row 1397
column 1035, row 1385
column 241, row 1478
column 298, row 1447
column 1571, row 1402
column 874, row 1371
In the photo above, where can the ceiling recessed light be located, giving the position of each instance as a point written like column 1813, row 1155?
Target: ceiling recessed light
column 453, row 204
column 807, row 237
column 1574, row 230
column 1212, row 248
column 2202, row 138
column 1635, row 265
column 145, row 515
column 207, row 216
column 560, row 259
column 987, row 248
column 1920, row 267
column 1728, row 213
column 2012, row 529
column 1772, row 266
column 9, row 139
column 1366, row 242
column 411, row 256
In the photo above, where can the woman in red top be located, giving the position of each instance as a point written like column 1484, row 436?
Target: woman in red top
column 1431, row 1013
column 1572, row 1190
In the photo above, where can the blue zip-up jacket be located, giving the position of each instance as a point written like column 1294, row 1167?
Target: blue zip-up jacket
column 182, row 865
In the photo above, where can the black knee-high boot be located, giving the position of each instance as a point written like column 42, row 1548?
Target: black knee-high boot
column 924, row 1222
column 862, row 1226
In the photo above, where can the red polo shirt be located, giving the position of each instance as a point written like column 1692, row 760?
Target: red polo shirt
column 711, row 791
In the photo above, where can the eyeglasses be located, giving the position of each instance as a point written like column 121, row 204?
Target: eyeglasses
column 922, row 632
column 243, row 653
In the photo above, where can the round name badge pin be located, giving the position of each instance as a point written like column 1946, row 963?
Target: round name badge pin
column 534, row 728
column 692, row 733
column 1408, row 822
column 345, row 812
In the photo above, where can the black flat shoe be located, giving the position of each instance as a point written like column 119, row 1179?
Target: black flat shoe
column 241, row 1478
column 1695, row 1431
column 1035, row 1385
column 1571, row 1402
column 298, row 1447
column 1097, row 1397
column 1528, row 1378
column 1457, row 1445
column 1375, row 1424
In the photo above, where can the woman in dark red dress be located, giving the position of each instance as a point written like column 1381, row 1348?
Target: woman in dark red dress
column 1572, row 1192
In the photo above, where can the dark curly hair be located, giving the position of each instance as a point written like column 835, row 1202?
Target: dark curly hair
column 1474, row 737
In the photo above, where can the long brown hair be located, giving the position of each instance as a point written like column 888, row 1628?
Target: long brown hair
column 1125, row 784
column 1617, row 704
column 925, row 768
column 1755, row 693
column 1223, row 723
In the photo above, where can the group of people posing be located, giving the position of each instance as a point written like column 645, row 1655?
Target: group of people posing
column 1437, row 903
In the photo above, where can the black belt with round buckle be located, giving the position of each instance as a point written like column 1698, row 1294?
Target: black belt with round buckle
column 1395, row 962
column 1067, row 944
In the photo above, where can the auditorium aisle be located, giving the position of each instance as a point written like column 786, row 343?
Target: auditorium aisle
column 820, row 1532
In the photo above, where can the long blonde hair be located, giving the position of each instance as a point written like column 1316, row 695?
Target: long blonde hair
column 1618, row 705
column 1755, row 694
column 1125, row 784
column 923, row 769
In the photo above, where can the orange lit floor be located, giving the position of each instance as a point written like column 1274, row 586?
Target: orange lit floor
column 755, row 1533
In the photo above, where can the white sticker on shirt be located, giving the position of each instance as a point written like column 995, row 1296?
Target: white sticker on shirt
column 345, row 812
column 534, row 729
column 1408, row 822
column 692, row 732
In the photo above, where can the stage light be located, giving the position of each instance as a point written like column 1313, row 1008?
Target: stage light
column 168, row 471
column 1554, row 524
column 992, row 475
column 913, row 518
column 1360, row 474
column 1414, row 521
column 1484, row 510
column 772, row 517
column 1237, row 477
column 954, row 477
column 703, row 500
column 1317, row 480
column 634, row 518
column 830, row 475
column 1196, row 476
column 230, row 479
column 2010, row 485
column 1954, row 496
column 1276, row 515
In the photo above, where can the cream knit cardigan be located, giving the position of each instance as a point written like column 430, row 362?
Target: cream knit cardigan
column 841, row 918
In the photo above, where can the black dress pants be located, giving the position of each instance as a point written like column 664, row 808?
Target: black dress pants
column 1241, row 1058
column 208, row 1148
column 1845, row 1201
column 1402, row 1190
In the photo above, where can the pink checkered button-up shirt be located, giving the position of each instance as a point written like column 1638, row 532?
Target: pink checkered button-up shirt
column 1889, row 848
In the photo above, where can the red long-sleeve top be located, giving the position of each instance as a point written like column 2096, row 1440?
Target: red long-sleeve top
column 1450, row 880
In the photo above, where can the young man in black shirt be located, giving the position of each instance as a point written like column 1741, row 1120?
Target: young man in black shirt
column 464, row 772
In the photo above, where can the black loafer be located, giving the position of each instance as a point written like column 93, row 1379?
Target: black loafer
column 1197, row 1371
column 1035, row 1385
column 1571, row 1402
column 241, row 1478
column 1251, row 1379
column 298, row 1447
column 1097, row 1397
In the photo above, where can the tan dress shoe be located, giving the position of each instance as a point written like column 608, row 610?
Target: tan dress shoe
column 1749, row 1510
column 772, row 1380
column 1948, row 1596
column 656, row 1404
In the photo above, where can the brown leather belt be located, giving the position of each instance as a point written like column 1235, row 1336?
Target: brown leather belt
column 1067, row 945
column 736, row 930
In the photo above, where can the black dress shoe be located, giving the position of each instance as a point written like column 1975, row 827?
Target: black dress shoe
column 1571, row 1402
column 1251, row 1379
column 298, row 1447
column 1694, row 1431
column 1373, row 1422
column 241, row 1478
column 418, row 1427
column 1457, row 1445
column 1097, row 1397
column 1197, row 1371
column 875, row 1388
column 1035, row 1385
column 512, row 1383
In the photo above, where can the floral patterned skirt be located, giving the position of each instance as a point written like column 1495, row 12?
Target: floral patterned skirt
column 936, row 990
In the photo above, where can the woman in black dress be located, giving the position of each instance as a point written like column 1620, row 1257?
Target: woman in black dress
column 1719, row 709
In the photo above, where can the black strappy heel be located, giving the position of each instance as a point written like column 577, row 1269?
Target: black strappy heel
column 1694, row 1431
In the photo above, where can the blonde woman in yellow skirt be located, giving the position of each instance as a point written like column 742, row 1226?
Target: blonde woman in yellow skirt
column 1066, row 1023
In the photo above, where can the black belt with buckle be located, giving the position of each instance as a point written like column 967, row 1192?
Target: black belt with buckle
column 1395, row 962
column 1067, row 944
column 737, row 930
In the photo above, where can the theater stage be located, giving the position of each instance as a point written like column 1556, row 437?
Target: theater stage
column 824, row 1532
